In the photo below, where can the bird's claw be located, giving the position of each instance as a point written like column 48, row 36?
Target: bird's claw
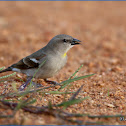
column 51, row 82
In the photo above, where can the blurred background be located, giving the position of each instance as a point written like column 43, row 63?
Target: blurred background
column 25, row 27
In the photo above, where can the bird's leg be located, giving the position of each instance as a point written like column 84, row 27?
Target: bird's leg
column 50, row 82
column 22, row 87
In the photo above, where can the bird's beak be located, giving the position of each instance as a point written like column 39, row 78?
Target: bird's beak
column 75, row 42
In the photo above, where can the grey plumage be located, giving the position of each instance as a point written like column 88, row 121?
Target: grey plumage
column 54, row 55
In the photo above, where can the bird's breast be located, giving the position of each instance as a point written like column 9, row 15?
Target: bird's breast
column 51, row 66
column 56, row 62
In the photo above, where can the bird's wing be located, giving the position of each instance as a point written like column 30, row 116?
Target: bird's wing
column 29, row 62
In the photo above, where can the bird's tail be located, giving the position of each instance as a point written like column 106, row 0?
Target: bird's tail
column 5, row 70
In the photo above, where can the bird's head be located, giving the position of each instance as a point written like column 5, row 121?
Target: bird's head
column 62, row 43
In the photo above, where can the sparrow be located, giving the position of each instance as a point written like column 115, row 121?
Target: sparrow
column 47, row 61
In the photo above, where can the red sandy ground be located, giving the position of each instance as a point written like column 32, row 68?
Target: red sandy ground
column 101, row 26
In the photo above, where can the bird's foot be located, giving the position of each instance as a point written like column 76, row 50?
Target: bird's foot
column 22, row 87
column 37, row 85
column 51, row 82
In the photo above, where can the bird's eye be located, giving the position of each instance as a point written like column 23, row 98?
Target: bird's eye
column 64, row 40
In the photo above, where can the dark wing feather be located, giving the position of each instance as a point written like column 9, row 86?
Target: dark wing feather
column 27, row 63
column 22, row 65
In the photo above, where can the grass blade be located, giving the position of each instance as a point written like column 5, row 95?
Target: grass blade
column 2, row 68
column 71, row 102
column 104, row 116
column 6, row 76
column 71, row 76
column 57, row 92
column 65, row 83
column 31, row 102
column 75, row 72
column 77, row 92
